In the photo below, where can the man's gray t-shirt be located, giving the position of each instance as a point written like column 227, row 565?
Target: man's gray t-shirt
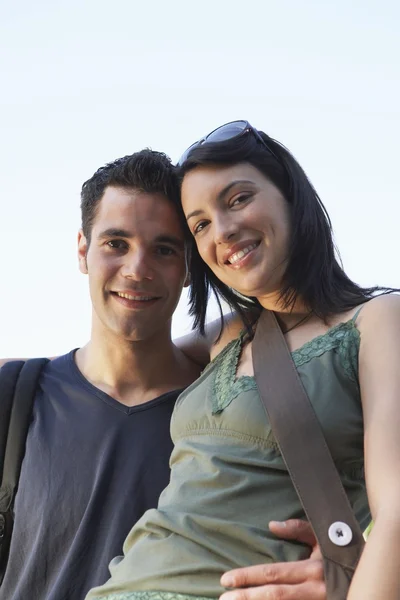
column 92, row 467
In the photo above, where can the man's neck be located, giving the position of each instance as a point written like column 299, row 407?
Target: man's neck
column 135, row 372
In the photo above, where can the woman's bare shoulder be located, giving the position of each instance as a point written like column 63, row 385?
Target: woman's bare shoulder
column 381, row 308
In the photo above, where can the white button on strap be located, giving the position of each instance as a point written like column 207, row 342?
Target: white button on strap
column 340, row 534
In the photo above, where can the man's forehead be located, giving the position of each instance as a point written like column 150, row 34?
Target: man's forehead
column 130, row 197
column 135, row 212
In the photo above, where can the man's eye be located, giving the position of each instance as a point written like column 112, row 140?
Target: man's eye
column 166, row 251
column 117, row 244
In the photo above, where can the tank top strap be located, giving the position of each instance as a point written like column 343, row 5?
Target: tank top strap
column 355, row 316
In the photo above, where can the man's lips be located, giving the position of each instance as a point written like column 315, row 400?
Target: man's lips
column 237, row 253
column 132, row 295
column 133, row 299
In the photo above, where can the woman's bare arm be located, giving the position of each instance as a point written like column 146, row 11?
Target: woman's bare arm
column 378, row 573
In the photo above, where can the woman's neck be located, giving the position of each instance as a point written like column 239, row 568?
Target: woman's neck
column 288, row 316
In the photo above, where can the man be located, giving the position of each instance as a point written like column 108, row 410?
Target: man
column 98, row 447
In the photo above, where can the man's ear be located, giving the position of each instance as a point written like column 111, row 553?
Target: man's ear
column 82, row 252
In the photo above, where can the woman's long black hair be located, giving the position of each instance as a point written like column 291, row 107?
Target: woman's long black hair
column 313, row 271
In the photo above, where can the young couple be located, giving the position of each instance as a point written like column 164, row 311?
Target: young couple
column 257, row 234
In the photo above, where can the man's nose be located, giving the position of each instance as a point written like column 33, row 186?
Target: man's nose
column 137, row 267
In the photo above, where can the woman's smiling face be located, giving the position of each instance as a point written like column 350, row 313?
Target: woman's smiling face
column 241, row 224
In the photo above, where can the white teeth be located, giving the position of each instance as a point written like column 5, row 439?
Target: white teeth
column 138, row 298
column 238, row 255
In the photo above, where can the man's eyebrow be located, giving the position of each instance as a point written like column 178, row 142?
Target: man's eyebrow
column 163, row 238
column 113, row 232
column 122, row 233
column 221, row 195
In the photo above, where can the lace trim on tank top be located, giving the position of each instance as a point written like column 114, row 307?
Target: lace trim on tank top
column 149, row 595
column 343, row 338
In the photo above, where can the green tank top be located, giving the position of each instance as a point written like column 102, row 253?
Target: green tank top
column 228, row 479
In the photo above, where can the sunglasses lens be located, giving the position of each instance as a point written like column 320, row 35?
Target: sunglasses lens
column 227, row 132
column 221, row 134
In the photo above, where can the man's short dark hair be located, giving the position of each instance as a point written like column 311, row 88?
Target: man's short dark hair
column 146, row 171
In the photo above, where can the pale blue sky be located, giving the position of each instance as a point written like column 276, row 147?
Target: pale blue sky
column 83, row 82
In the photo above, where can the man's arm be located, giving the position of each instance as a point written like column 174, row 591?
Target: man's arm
column 202, row 349
column 301, row 580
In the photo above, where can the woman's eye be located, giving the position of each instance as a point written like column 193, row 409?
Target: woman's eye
column 199, row 227
column 240, row 199
column 117, row 244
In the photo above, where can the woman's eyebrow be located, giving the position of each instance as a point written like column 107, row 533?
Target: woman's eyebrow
column 221, row 195
column 195, row 213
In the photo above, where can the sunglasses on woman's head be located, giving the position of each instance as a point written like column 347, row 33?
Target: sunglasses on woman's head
column 226, row 132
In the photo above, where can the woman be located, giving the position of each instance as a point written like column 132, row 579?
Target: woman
column 266, row 243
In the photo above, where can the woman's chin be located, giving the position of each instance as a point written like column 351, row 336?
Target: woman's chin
column 249, row 288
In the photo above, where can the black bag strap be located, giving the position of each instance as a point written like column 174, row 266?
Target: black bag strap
column 9, row 374
column 306, row 455
column 18, row 385
column 20, row 420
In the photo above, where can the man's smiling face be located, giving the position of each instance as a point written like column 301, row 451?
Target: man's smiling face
column 136, row 263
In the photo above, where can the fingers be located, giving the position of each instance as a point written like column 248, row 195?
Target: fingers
column 294, row 529
column 275, row 573
column 304, row 591
column 301, row 580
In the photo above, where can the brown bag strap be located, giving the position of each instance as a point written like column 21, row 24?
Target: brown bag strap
column 303, row 447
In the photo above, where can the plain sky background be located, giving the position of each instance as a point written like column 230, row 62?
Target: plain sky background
column 84, row 82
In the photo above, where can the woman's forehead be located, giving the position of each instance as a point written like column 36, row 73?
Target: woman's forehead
column 211, row 180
